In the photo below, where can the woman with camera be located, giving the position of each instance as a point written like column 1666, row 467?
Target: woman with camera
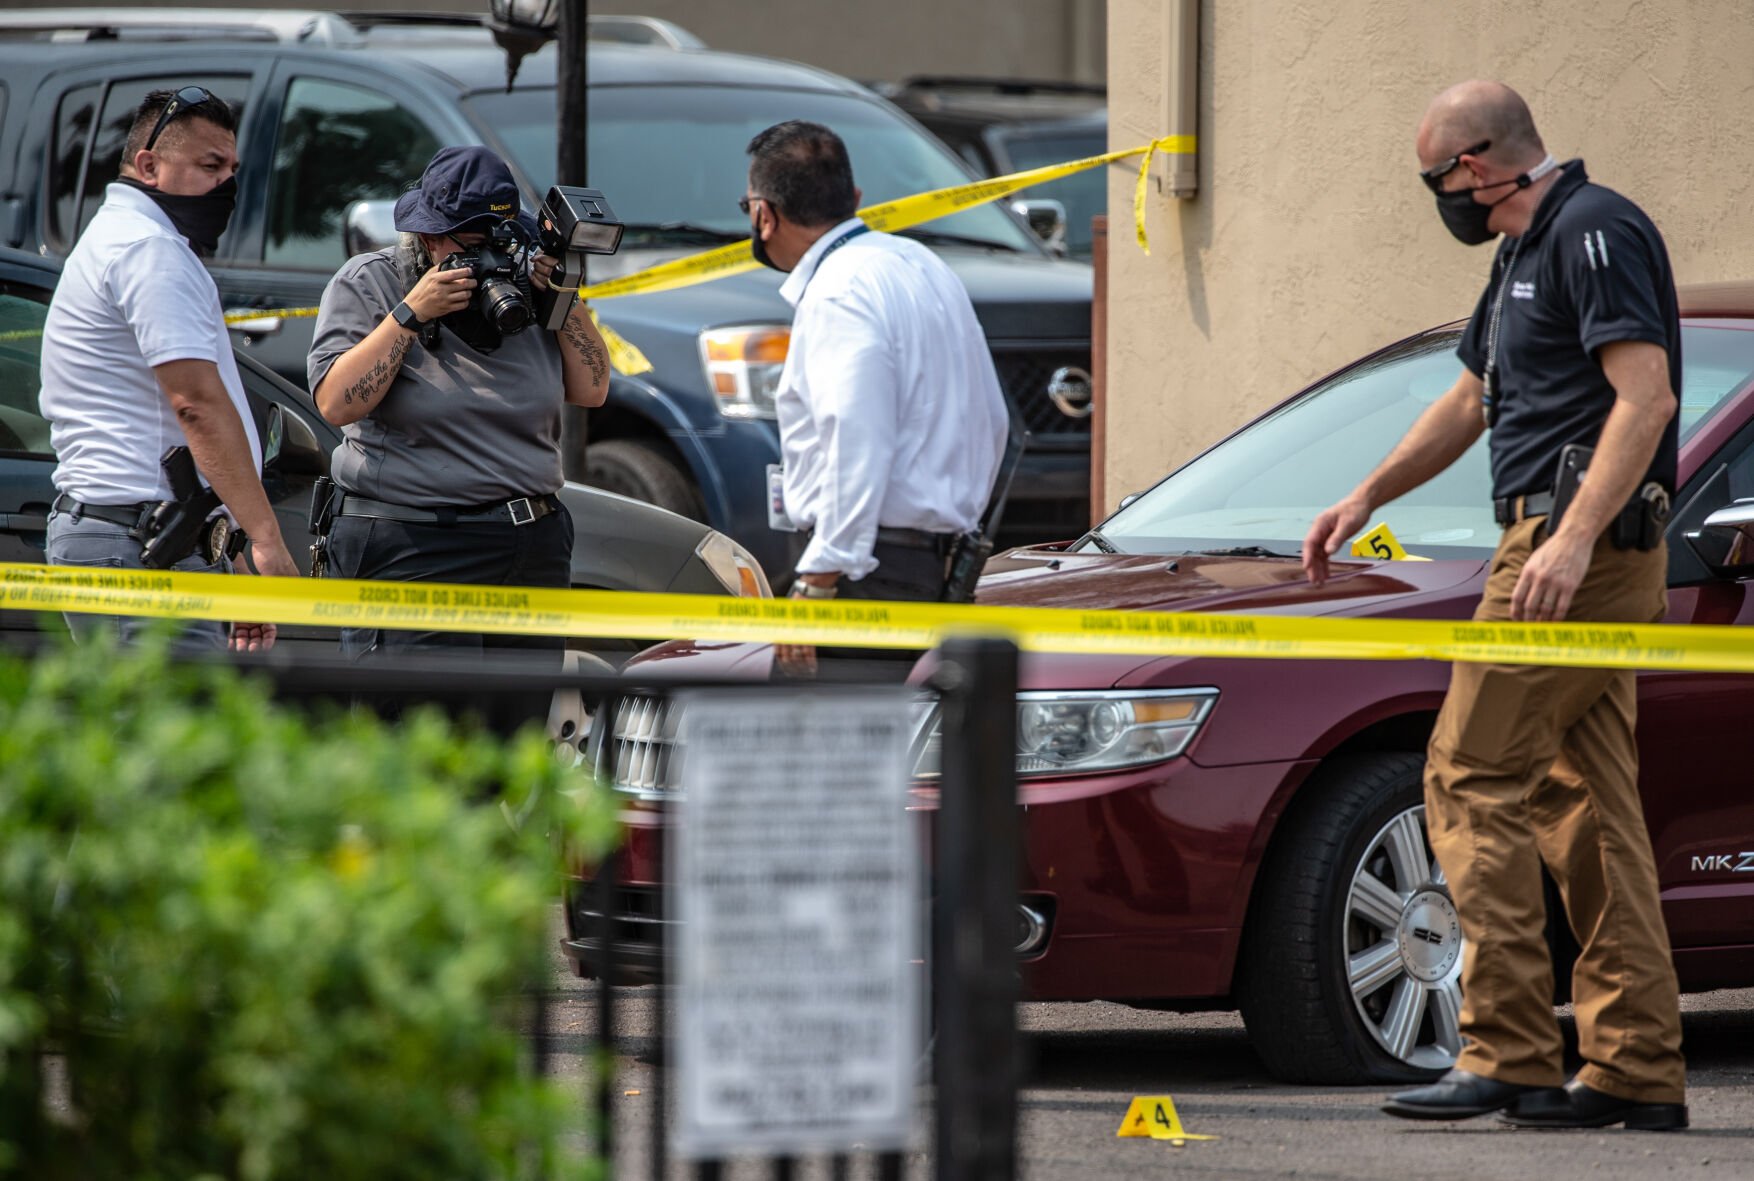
column 450, row 401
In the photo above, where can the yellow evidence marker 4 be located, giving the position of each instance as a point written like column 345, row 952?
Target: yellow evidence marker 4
column 1155, row 1116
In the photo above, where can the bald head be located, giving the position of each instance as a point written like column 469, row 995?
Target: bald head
column 1471, row 112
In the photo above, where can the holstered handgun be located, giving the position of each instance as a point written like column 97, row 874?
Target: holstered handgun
column 175, row 528
column 322, row 515
column 1640, row 525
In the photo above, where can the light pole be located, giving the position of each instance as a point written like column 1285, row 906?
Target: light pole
column 524, row 26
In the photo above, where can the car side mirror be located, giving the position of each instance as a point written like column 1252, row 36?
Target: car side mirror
column 1725, row 542
column 1047, row 220
column 367, row 226
column 297, row 451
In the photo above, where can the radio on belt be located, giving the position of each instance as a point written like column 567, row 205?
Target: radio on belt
column 576, row 222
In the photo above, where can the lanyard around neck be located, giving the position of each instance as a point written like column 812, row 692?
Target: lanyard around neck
column 831, row 248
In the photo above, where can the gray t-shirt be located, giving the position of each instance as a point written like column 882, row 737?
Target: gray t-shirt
column 456, row 427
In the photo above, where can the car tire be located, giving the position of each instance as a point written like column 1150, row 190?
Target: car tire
column 645, row 471
column 1350, row 966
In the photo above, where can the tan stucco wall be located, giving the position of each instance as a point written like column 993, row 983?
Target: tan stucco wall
column 1312, row 241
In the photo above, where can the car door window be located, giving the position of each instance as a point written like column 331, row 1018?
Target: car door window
column 23, row 430
column 338, row 144
column 74, row 119
column 89, row 161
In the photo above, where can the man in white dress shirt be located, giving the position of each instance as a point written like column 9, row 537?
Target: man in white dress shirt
column 892, row 424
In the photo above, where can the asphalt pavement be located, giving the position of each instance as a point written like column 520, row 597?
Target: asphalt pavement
column 1086, row 1061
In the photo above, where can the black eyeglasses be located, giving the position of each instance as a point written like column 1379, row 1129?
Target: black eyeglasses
column 745, row 201
column 1433, row 177
column 182, row 100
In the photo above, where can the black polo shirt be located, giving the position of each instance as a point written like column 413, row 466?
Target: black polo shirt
column 1591, row 270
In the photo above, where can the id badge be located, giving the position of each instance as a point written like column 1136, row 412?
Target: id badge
column 777, row 519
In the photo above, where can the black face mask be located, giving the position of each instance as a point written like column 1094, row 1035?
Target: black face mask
column 200, row 219
column 1466, row 218
column 759, row 249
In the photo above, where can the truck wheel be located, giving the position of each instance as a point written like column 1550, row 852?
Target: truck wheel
column 1351, row 963
column 644, row 471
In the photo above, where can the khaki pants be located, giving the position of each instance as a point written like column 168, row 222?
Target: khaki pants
column 1532, row 765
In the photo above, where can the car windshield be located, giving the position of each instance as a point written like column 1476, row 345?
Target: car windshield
column 1263, row 486
column 1084, row 194
column 673, row 156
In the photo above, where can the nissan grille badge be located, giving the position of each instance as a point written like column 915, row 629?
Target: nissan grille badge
column 1069, row 387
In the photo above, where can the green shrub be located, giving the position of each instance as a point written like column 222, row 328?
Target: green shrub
column 238, row 940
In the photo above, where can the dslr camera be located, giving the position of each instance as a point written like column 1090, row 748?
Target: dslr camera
column 576, row 222
column 503, row 297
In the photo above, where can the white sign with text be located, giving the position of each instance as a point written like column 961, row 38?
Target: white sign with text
column 796, row 892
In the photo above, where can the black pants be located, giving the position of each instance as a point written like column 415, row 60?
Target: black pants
column 482, row 554
column 904, row 574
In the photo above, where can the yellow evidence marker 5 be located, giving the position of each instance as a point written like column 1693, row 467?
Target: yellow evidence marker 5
column 1382, row 544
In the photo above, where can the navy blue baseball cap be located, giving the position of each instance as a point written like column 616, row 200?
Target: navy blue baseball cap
column 459, row 186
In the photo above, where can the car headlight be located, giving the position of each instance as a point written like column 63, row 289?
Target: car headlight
column 743, row 365
column 1077, row 733
column 735, row 567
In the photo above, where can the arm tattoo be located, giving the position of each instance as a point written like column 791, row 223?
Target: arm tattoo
column 379, row 374
column 592, row 353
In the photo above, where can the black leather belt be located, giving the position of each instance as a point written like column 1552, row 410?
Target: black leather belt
column 126, row 515
column 1508, row 510
column 524, row 510
column 937, row 543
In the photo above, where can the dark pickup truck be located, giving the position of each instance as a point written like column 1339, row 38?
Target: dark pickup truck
column 339, row 113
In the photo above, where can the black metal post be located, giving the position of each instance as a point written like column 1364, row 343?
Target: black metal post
column 572, row 107
column 977, row 876
column 660, row 1149
column 572, row 167
column 603, row 889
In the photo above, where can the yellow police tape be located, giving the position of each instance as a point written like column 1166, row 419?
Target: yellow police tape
column 332, row 602
column 900, row 214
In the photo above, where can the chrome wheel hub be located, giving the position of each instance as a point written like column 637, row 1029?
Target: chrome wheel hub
column 1404, row 946
column 1430, row 936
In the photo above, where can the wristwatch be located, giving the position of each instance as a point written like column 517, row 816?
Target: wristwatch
column 404, row 315
column 804, row 590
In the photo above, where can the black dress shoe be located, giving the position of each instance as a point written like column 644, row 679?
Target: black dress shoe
column 1460, row 1094
column 1577, row 1106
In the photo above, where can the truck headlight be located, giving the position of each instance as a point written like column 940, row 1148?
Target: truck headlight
column 735, row 567
column 1075, row 733
column 743, row 365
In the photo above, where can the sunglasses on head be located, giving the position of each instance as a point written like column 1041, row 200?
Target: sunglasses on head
column 182, row 100
column 1433, row 176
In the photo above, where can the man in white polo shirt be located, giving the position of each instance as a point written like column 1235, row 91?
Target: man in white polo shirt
column 136, row 360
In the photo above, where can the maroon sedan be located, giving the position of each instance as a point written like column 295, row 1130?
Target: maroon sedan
column 1221, row 834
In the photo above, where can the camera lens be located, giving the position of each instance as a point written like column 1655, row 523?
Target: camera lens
column 502, row 304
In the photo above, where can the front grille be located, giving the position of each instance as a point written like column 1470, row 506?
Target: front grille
column 641, row 756
column 1024, row 375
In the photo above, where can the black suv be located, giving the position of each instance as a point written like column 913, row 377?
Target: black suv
column 338, row 114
